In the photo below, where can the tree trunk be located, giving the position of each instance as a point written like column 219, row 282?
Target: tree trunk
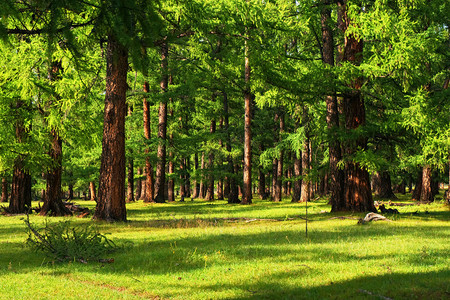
column 196, row 192
column 130, row 181
column 147, row 192
column 297, row 181
column 53, row 204
column 305, row 189
column 21, row 181
column 418, row 187
column 426, row 194
column 336, row 174
column 247, row 181
column 92, row 191
column 4, row 189
column 357, row 192
column 279, row 167
column 210, row 187
column 171, row 169
column 202, row 188
column 138, row 185
column 111, row 190
column 262, row 184
column 162, row 129
column 382, row 186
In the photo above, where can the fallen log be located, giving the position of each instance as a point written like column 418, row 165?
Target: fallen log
column 372, row 217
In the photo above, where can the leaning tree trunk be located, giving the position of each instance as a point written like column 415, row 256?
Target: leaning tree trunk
column 357, row 192
column 4, row 189
column 53, row 204
column 426, row 194
column 382, row 186
column 111, row 189
column 162, row 129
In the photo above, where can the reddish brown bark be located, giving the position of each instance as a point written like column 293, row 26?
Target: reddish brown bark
column 171, row 169
column 426, row 194
column 53, row 204
column 111, row 190
column 247, row 180
column 4, row 189
column 92, row 191
column 357, row 192
column 130, row 181
column 162, row 129
column 305, row 194
column 148, row 193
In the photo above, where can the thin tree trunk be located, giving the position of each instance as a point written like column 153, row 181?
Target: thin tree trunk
column 111, row 190
column 305, row 189
column 138, row 184
column 297, row 173
column 92, row 191
column 53, row 204
column 130, row 181
column 262, row 184
column 196, row 182
column 279, row 168
column 210, row 187
column 4, row 189
column 147, row 184
column 247, row 181
column 202, row 187
column 162, row 130
column 171, row 169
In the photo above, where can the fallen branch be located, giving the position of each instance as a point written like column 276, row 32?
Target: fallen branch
column 372, row 217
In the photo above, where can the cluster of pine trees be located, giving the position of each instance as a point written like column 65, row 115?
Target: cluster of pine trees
column 223, row 99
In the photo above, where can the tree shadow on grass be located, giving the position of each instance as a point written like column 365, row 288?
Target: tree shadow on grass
column 423, row 285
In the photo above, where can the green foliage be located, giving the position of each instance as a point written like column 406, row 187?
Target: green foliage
column 62, row 241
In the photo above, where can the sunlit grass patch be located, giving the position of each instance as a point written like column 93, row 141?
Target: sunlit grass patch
column 212, row 250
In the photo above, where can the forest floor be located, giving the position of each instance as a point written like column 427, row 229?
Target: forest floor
column 213, row 250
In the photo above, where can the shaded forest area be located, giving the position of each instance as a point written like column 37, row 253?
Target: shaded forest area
column 120, row 101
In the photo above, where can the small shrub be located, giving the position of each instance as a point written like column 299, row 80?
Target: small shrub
column 62, row 242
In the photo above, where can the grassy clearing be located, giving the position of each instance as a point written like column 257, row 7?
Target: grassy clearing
column 203, row 250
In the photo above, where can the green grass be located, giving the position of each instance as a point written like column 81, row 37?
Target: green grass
column 212, row 250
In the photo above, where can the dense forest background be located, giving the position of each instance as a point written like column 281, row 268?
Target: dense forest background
column 118, row 101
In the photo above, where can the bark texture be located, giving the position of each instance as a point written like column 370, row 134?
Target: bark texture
column 53, row 204
column 162, row 129
column 427, row 194
column 382, row 186
column 247, row 181
column 4, row 189
column 357, row 192
column 148, row 192
column 111, row 190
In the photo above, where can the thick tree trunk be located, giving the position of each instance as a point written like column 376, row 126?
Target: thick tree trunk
column 418, row 187
column 162, row 130
column 4, row 189
column 53, row 204
column 138, row 193
column 382, row 186
column 336, row 174
column 247, row 181
column 357, row 192
column 297, row 173
column 426, row 194
column 111, row 190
